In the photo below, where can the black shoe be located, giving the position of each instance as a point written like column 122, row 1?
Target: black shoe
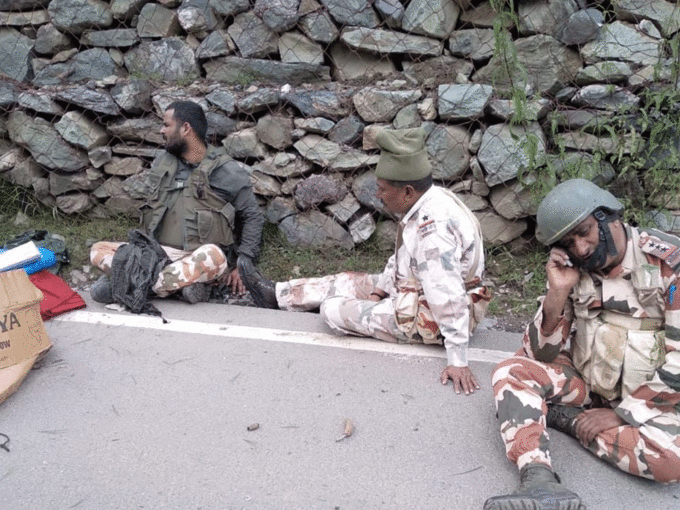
column 195, row 293
column 100, row 291
column 562, row 418
column 539, row 489
column 262, row 291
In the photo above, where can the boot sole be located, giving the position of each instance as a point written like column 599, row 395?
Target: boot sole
column 524, row 503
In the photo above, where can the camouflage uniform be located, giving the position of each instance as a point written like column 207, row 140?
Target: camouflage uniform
column 205, row 264
column 625, row 337
column 430, row 281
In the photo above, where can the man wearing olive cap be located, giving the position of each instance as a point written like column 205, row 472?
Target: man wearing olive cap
column 429, row 292
column 601, row 360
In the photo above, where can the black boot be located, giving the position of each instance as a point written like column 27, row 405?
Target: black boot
column 195, row 293
column 101, row 292
column 563, row 418
column 262, row 291
column 539, row 489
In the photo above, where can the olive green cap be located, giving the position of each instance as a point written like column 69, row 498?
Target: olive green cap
column 403, row 155
column 567, row 205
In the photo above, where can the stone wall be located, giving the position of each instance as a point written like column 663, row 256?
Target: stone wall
column 297, row 89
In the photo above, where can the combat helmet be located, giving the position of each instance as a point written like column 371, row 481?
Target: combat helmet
column 567, row 205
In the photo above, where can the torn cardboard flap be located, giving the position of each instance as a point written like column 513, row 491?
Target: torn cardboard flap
column 23, row 337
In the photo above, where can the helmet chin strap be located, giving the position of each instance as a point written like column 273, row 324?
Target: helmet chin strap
column 598, row 259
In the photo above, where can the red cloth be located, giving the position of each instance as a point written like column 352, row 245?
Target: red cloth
column 58, row 298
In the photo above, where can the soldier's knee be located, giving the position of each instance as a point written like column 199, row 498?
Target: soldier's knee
column 214, row 252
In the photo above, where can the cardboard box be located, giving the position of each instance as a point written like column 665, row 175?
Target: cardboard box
column 23, row 338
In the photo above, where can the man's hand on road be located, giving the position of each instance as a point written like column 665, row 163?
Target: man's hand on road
column 234, row 281
column 461, row 377
column 593, row 421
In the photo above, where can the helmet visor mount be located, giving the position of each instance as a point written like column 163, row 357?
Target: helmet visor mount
column 606, row 246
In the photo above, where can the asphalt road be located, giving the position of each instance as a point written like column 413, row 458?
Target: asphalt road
column 127, row 412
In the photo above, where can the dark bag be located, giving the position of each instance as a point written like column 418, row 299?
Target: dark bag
column 46, row 240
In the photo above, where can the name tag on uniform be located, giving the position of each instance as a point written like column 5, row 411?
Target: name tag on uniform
column 426, row 228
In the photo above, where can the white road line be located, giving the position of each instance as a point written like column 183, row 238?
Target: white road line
column 275, row 335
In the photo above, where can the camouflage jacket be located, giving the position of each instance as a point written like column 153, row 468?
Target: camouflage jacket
column 439, row 241
column 642, row 287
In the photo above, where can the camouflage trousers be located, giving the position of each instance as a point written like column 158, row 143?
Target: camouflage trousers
column 343, row 300
column 205, row 264
column 522, row 389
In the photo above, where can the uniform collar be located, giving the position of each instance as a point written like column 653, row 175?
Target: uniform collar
column 414, row 208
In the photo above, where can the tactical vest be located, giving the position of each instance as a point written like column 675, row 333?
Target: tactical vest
column 615, row 352
column 189, row 214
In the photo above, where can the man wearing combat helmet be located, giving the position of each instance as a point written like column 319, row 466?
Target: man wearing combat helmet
column 601, row 360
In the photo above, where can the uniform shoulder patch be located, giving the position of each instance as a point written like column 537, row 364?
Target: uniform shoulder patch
column 661, row 245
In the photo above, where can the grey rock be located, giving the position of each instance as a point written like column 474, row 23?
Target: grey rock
column 498, row 231
column 447, row 149
column 319, row 27
column 169, row 59
column 279, row 15
column 24, row 171
column 279, row 208
column 133, row 96
column 580, row 141
column 620, row 41
column 137, row 150
column 665, row 15
column 21, row 5
column 504, row 151
column 146, row 129
column 387, row 42
column 283, row 165
column 112, row 187
column 60, row 184
column 95, row 100
column 76, row 16
column 317, row 125
column 295, row 47
column 230, row 7
column 44, row 143
column 386, row 235
column 544, row 17
column 253, row 38
column 223, row 99
column 475, row 43
column 276, row 131
column 114, row 38
column 347, row 131
column 74, row 203
column 593, row 121
column 125, row 9
column 165, row 97
column 157, row 21
column 392, row 11
column 377, row 105
column 343, row 210
column 137, row 186
column 124, row 166
column 313, row 229
column 318, row 103
column 580, row 27
column 94, row 64
column 549, row 66
column 362, row 228
column 197, row 17
column 244, row 144
column 583, row 165
column 438, row 70
column 534, row 109
column 50, row 40
column 99, row 156
column 15, row 49
column 473, row 202
column 260, row 100
column 217, row 44
column 331, row 155
column 462, row 102
column 317, row 189
column 265, row 185
column 123, row 205
column 352, row 12
column 78, row 130
column 350, row 64
column 647, row 27
column 434, row 18
column 219, row 126
column 608, row 71
column 606, row 97
column 512, row 200
column 245, row 71
column 365, row 189
column 40, row 102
